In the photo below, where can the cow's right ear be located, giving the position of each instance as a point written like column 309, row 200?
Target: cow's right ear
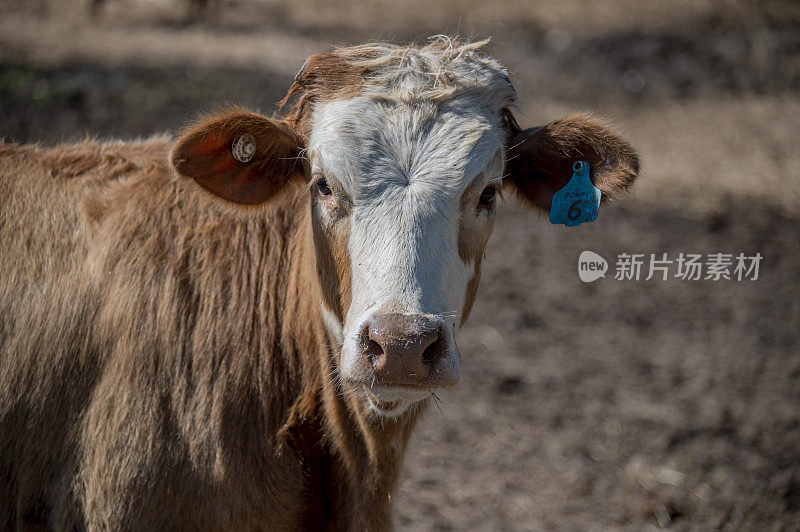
column 239, row 156
column 539, row 159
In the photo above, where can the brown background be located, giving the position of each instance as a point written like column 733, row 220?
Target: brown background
column 616, row 404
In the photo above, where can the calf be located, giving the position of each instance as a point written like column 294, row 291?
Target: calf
column 239, row 329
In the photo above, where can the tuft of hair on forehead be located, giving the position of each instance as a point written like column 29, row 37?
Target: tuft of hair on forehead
column 444, row 68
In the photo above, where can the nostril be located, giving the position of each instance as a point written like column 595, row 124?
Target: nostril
column 433, row 352
column 374, row 349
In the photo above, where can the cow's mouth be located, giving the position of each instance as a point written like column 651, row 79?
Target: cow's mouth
column 391, row 401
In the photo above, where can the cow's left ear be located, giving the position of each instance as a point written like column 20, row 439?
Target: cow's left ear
column 242, row 157
column 539, row 160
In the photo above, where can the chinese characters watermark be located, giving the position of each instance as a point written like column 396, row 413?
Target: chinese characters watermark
column 662, row 266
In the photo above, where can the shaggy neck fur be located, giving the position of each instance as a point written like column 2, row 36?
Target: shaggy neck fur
column 330, row 423
column 191, row 342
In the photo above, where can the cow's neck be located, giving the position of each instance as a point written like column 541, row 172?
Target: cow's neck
column 362, row 453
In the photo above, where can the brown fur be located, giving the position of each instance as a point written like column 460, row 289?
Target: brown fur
column 333, row 265
column 191, row 344
column 203, row 155
column 472, row 242
column 324, row 77
column 165, row 365
column 540, row 159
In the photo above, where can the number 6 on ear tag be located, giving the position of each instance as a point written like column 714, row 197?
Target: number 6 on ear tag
column 579, row 201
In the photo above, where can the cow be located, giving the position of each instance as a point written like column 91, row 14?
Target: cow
column 239, row 328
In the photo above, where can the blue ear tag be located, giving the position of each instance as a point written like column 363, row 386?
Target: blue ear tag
column 579, row 201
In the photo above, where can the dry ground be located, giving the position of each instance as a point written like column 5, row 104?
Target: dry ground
column 583, row 406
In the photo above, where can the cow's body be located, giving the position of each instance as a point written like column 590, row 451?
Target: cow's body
column 239, row 329
column 153, row 351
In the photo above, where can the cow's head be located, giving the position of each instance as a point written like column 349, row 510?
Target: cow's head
column 405, row 151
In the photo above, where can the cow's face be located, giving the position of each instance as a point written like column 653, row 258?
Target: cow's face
column 404, row 152
column 404, row 195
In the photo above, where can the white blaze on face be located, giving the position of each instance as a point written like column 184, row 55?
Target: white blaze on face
column 405, row 167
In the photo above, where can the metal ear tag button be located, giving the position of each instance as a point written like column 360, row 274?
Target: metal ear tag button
column 244, row 148
column 579, row 201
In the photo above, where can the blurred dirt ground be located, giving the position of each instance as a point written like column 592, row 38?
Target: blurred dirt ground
column 616, row 404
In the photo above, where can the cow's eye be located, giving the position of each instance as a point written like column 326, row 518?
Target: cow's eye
column 322, row 186
column 487, row 196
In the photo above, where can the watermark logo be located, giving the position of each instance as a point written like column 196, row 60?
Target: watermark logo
column 684, row 266
column 591, row 266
